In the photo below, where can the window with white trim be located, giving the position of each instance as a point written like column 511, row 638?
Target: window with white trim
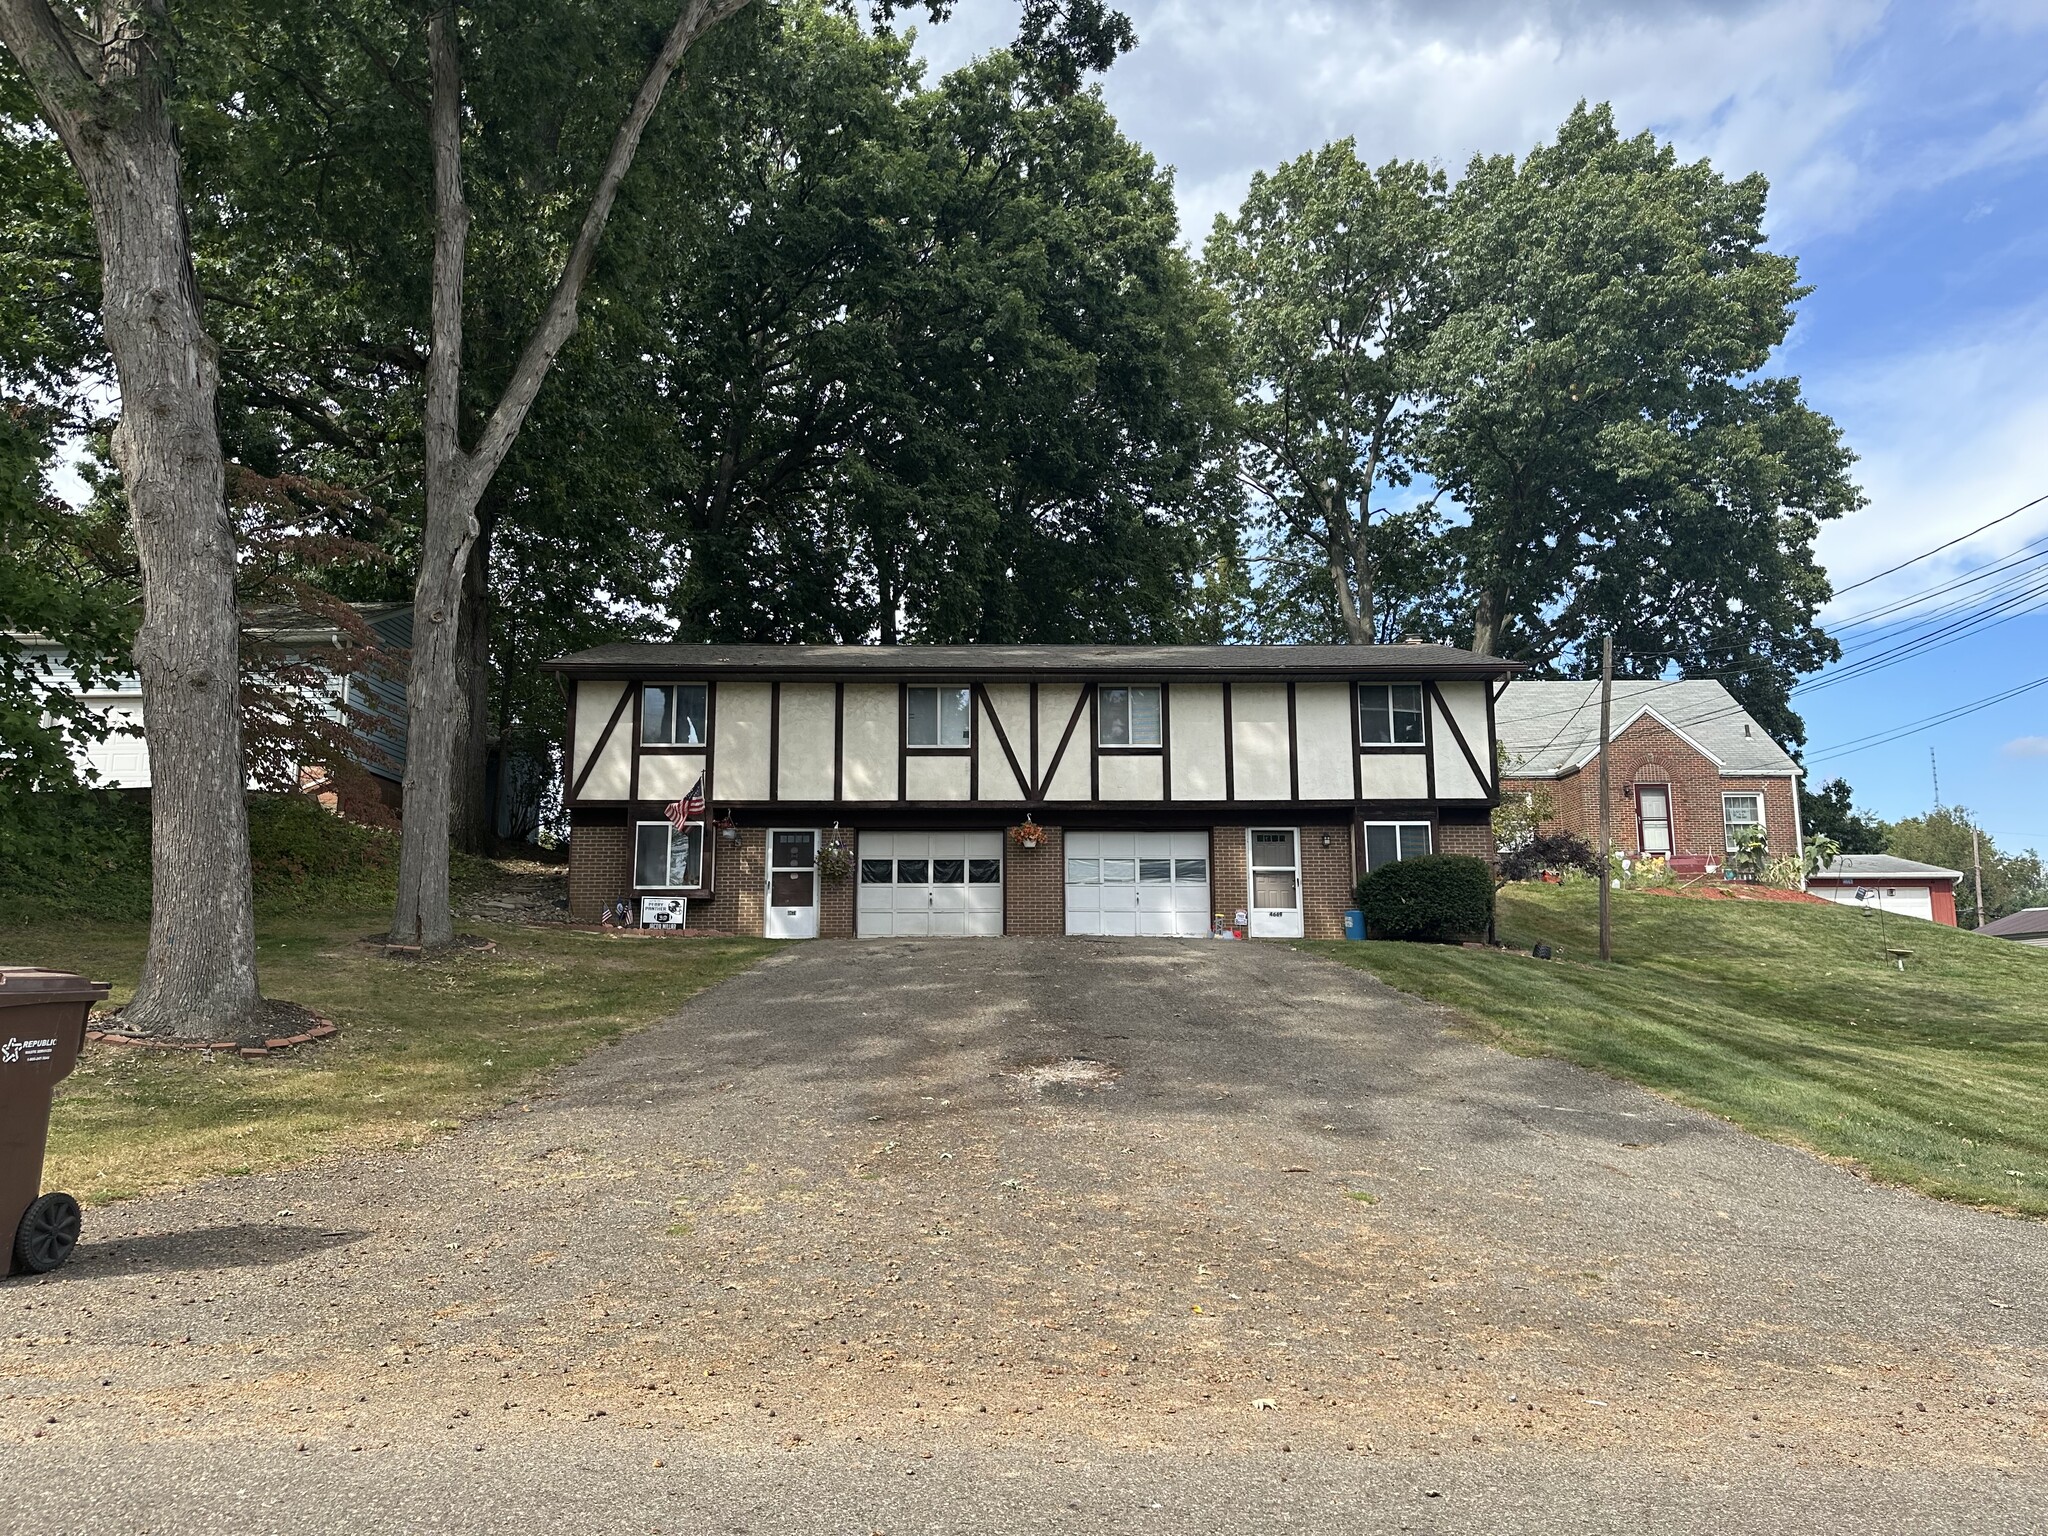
column 1389, row 842
column 672, row 715
column 1389, row 714
column 1128, row 715
column 667, row 857
column 1739, row 813
column 938, row 716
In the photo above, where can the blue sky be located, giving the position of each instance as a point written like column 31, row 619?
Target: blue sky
column 1907, row 149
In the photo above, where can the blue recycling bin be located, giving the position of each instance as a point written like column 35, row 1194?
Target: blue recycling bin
column 1354, row 924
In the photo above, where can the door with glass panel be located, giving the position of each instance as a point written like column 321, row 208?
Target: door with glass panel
column 1653, row 818
column 792, row 899
column 1275, row 860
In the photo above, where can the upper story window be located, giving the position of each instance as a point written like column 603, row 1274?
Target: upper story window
column 938, row 716
column 1128, row 716
column 672, row 715
column 1390, row 714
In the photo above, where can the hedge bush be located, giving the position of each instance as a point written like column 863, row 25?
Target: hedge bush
column 1437, row 898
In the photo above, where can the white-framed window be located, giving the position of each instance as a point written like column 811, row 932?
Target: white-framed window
column 1389, row 842
column 1128, row 715
column 672, row 715
column 1740, row 812
column 668, row 858
column 938, row 716
column 949, row 871
column 1390, row 714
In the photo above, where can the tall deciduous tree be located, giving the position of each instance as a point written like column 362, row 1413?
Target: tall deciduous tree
column 1337, row 283
column 103, row 81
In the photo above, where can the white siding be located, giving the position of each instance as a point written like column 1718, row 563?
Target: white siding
column 594, row 704
column 666, row 776
column 1322, row 733
column 1258, row 722
column 1197, row 710
column 804, row 749
column 740, row 734
column 1467, row 705
column 935, row 778
column 872, row 722
column 1012, row 704
column 1055, row 708
column 1129, row 778
column 1394, row 775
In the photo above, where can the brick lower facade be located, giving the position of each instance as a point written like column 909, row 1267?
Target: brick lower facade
column 1034, row 879
column 1648, row 752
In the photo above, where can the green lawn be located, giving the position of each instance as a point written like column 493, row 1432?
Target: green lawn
column 423, row 1045
column 1782, row 1018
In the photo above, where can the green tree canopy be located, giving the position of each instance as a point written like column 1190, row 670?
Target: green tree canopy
column 1949, row 838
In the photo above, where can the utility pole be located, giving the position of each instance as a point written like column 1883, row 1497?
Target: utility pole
column 1606, row 808
column 1934, row 767
column 1977, row 867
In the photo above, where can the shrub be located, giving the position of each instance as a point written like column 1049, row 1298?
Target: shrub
column 1554, row 852
column 1441, row 897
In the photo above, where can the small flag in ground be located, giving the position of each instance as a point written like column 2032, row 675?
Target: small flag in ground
column 688, row 809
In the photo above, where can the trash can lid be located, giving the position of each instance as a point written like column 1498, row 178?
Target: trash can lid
column 32, row 984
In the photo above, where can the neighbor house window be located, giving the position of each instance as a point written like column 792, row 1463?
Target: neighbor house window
column 672, row 715
column 668, row 858
column 1390, row 714
column 1389, row 842
column 939, row 717
column 1738, row 814
column 1128, row 716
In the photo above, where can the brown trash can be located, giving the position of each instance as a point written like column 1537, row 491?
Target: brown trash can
column 42, row 1030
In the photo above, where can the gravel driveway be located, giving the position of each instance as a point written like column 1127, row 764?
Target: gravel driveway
column 1020, row 1235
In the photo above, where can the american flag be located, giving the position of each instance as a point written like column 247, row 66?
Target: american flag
column 688, row 809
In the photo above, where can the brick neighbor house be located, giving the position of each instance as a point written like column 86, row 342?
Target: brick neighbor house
column 1688, row 768
column 936, row 791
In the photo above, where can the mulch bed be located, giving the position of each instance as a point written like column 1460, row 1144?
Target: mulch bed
column 283, row 1027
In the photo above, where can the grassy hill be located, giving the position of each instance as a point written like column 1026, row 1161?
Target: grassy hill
column 1786, row 1019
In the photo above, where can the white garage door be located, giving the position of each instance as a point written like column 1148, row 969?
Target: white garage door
column 930, row 885
column 1138, row 884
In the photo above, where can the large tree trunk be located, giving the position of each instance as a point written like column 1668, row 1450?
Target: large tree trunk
column 472, row 824
column 107, row 104
column 457, row 478
column 1489, row 619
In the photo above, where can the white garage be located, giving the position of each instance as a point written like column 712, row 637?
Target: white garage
column 930, row 885
column 1138, row 884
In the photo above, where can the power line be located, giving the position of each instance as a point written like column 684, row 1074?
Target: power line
column 1878, row 739
column 1951, row 544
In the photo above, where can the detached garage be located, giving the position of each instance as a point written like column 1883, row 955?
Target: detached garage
column 930, row 885
column 1138, row 884
column 1878, row 881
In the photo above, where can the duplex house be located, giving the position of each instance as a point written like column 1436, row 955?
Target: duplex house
column 929, row 791
column 1690, row 772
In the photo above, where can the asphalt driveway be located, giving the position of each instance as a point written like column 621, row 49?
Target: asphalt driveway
column 1029, row 1235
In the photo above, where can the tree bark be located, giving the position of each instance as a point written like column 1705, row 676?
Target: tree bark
column 106, row 99
column 457, row 478
column 1489, row 619
column 472, row 823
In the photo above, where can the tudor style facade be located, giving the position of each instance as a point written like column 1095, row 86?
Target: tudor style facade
column 1166, row 787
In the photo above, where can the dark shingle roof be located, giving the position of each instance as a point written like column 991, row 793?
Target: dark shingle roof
column 1551, row 727
column 2027, row 923
column 1861, row 865
column 1028, row 661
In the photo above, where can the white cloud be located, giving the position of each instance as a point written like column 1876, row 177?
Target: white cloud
column 2027, row 746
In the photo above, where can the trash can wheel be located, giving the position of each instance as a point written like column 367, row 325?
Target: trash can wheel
column 47, row 1234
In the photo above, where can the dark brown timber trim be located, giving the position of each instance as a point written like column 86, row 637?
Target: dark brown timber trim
column 1230, row 755
column 1094, row 745
column 1052, row 769
column 1479, row 775
column 1293, row 750
column 1165, row 740
column 903, row 741
column 1031, row 784
column 1003, row 737
column 710, row 757
column 774, row 741
column 974, row 742
column 1492, row 746
column 633, row 773
column 1429, row 749
column 604, row 738
column 1357, row 730
column 838, row 742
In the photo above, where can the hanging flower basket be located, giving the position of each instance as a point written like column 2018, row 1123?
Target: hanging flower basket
column 835, row 861
column 1028, row 834
column 727, row 827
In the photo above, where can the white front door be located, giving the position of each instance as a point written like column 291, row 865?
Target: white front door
column 1138, row 884
column 917, row 885
column 792, row 909
column 1275, row 860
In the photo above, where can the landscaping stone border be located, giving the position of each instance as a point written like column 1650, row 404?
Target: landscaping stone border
column 323, row 1029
